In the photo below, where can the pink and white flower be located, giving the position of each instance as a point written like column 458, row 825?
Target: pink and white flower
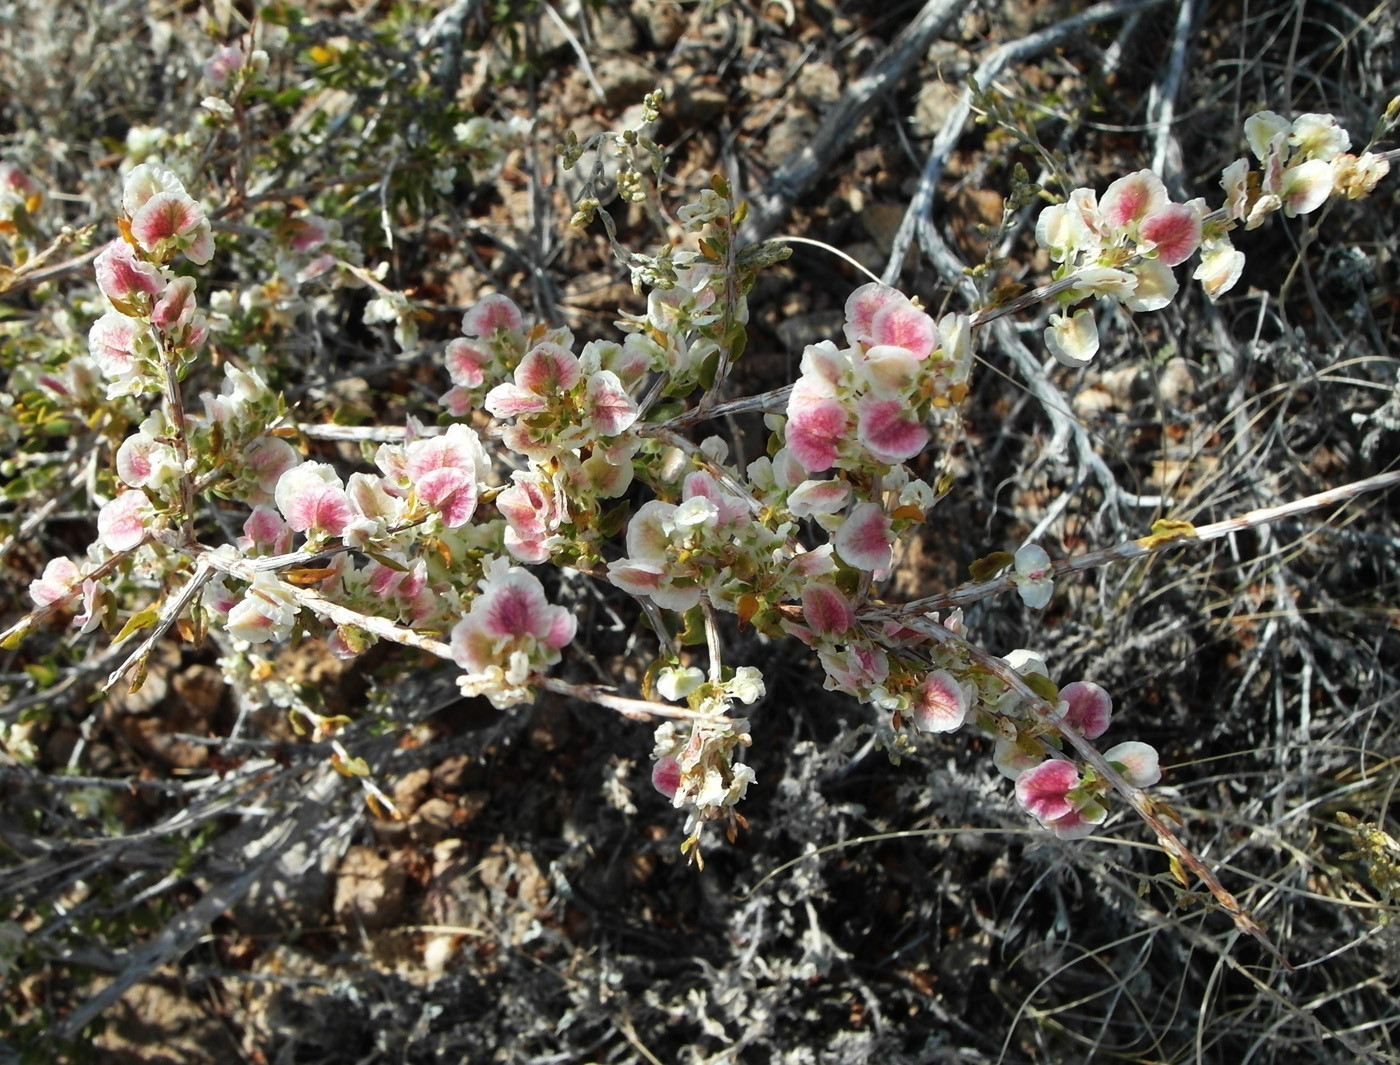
column 889, row 429
column 941, row 704
column 533, row 508
column 1132, row 198
column 266, row 613
column 467, row 363
column 826, row 610
column 117, row 344
column 59, row 584
column 866, row 539
column 164, row 218
column 267, row 459
column 144, row 462
column 510, row 632
column 123, row 278
column 491, row 314
column 265, row 533
column 1088, row 708
column 1032, row 576
column 1043, row 792
column 1137, row 762
column 121, row 523
column 176, row 306
column 443, row 473
column 313, row 500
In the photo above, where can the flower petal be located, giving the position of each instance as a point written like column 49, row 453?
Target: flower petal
column 941, row 705
column 826, row 610
column 1042, row 791
column 1090, row 708
column 865, row 539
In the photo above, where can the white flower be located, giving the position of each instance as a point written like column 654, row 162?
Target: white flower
column 1318, row 137
column 747, row 685
column 676, row 682
column 1220, row 267
column 1032, row 576
column 1073, row 341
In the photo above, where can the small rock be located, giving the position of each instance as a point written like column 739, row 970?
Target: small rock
column 456, row 773
column 202, row 688
column 1119, row 383
column 432, row 822
column 1176, row 381
column 818, row 84
column 623, row 81
column 411, row 790
column 935, row 103
column 700, row 101
column 664, row 20
column 789, row 136
column 613, row 30
column 369, row 890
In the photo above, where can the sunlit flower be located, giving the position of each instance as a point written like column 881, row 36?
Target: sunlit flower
column 121, row 523
column 313, row 500
column 266, row 613
column 866, row 538
column 144, row 462
column 123, row 278
column 164, row 218
column 1220, row 268
column 510, row 631
column 60, row 583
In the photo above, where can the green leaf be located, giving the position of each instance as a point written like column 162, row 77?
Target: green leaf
column 142, row 619
column 693, row 635
column 1043, row 686
column 738, row 341
column 987, row 567
column 708, row 369
column 15, row 638
column 614, row 519
column 386, row 561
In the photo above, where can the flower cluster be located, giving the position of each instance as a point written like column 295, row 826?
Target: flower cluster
column 866, row 404
column 1122, row 247
column 1067, row 800
column 709, row 543
column 694, row 761
column 510, row 633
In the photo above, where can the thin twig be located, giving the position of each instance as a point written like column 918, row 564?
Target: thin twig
column 1138, row 548
column 202, row 572
column 800, row 173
